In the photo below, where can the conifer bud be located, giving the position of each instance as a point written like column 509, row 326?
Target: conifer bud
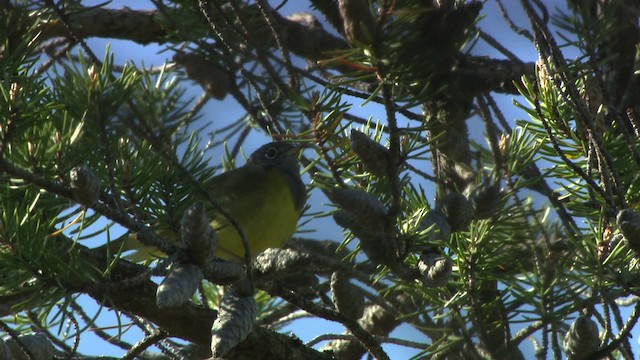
column 94, row 75
column 458, row 211
column 347, row 297
column 435, row 269
column 199, row 239
column 357, row 20
column 179, row 285
column 582, row 340
column 366, row 208
column 373, row 243
column 542, row 73
column 439, row 227
column 5, row 352
column 236, row 317
column 224, row 272
column 15, row 95
column 277, row 263
column 39, row 346
column 85, row 185
column 484, row 198
column 503, row 146
column 374, row 156
column 425, row 229
column 629, row 222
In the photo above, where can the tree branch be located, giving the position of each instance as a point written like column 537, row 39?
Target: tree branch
column 302, row 34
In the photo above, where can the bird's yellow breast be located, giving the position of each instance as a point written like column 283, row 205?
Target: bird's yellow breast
column 266, row 212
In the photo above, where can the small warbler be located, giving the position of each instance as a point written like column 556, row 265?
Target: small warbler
column 266, row 197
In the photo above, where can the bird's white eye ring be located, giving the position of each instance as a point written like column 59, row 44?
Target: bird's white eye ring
column 271, row 153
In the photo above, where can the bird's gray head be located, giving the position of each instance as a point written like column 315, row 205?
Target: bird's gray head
column 284, row 157
column 280, row 154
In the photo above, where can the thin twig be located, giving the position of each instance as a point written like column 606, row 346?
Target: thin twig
column 492, row 134
column 393, row 168
column 66, row 23
column 515, row 28
column 498, row 46
column 58, row 188
column 53, row 57
column 114, row 340
column 550, row 54
column 421, row 173
column 33, row 317
column 267, row 13
column 561, row 154
column 634, row 123
column 369, row 342
column 498, row 113
column 382, row 339
column 148, row 341
column 626, row 350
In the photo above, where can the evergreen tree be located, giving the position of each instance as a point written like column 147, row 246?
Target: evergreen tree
column 482, row 247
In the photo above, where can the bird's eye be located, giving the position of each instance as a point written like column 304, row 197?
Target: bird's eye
column 271, row 153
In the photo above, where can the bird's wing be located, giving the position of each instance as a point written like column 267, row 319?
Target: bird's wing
column 235, row 190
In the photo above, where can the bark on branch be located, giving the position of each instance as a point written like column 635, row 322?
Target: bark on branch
column 302, row 33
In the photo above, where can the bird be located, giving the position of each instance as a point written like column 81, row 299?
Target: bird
column 266, row 197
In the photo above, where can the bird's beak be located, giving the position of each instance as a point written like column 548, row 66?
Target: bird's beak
column 295, row 152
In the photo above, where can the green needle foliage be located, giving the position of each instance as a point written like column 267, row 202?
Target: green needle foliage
column 492, row 229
